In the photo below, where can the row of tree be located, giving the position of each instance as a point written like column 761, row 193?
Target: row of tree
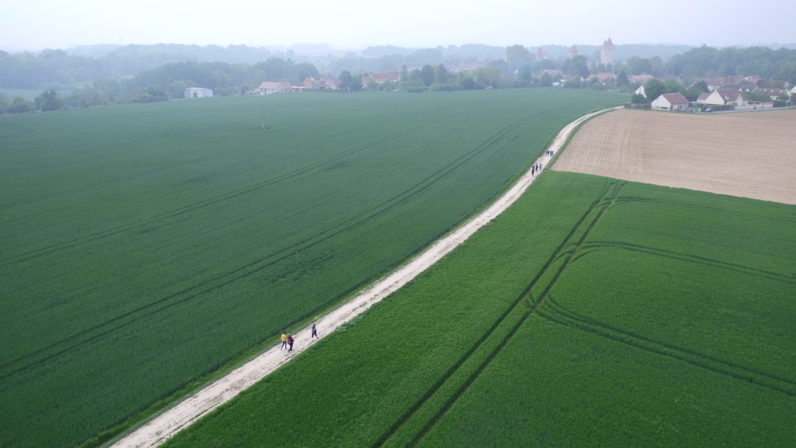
column 52, row 68
column 170, row 81
column 695, row 63
column 234, row 66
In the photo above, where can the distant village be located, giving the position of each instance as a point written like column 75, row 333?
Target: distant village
column 660, row 77
column 714, row 94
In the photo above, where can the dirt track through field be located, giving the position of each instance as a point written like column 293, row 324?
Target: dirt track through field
column 170, row 422
column 750, row 155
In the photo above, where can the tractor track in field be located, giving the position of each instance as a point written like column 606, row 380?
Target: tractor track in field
column 557, row 313
column 600, row 206
column 545, row 307
column 198, row 205
column 120, row 179
column 165, row 425
column 696, row 259
column 632, row 199
column 108, row 327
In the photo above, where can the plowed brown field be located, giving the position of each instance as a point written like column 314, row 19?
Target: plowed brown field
column 750, row 155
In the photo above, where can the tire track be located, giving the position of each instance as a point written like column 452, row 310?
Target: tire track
column 696, row 259
column 121, row 179
column 600, row 206
column 632, row 199
column 156, row 431
column 85, row 337
column 198, row 205
column 727, row 368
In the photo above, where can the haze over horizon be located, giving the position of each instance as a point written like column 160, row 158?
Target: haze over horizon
column 356, row 24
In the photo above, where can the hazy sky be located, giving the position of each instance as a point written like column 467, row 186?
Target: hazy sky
column 37, row 24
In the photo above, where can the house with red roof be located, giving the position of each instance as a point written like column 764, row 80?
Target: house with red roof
column 670, row 101
column 541, row 55
column 309, row 83
column 394, row 76
column 380, row 77
column 605, row 76
column 328, row 83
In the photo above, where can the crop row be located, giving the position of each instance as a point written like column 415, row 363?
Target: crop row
column 146, row 247
column 383, row 379
column 561, row 324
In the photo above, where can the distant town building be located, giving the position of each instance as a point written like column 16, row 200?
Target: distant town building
column 198, row 92
column 604, row 76
column 555, row 74
column 394, row 76
column 641, row 79
column 670, row 101
column 723, row 97
column 328, row 83
column 468, row 66
column 573, row 51
column 607, row 53
column 771, row 93
column 269, row 87
column 541, row 55
column 380, row 77
column 745, row 83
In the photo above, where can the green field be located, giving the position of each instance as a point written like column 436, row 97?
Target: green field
column 146, row 245
column 594, row 312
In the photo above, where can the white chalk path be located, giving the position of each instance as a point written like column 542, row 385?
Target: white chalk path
column 170, row 422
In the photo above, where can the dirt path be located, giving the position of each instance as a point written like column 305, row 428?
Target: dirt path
column 170, row 422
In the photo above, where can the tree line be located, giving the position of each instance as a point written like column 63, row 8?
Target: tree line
column 164, row 82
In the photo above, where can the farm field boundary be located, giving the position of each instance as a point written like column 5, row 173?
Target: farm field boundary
column 149, row 249
column 596, row 304
column 572, row 300
column 745, row 155
column 173, row 420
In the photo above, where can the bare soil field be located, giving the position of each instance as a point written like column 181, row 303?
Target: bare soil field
column 750, row 155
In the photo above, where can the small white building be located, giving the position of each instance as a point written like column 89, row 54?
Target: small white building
column 198, row 92
column 723, row 97
column 670, row 101
column 641, row 91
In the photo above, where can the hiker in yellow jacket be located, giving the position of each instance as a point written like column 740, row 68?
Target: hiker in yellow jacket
column 284, row 342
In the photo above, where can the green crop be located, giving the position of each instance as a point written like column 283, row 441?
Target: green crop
column 145, row 246
column 594, row 312
column 671, row 326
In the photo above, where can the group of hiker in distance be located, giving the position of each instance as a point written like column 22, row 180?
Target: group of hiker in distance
column 535, row 168
column 287, row 339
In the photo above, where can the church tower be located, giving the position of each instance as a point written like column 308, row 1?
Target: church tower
column 607, row 53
